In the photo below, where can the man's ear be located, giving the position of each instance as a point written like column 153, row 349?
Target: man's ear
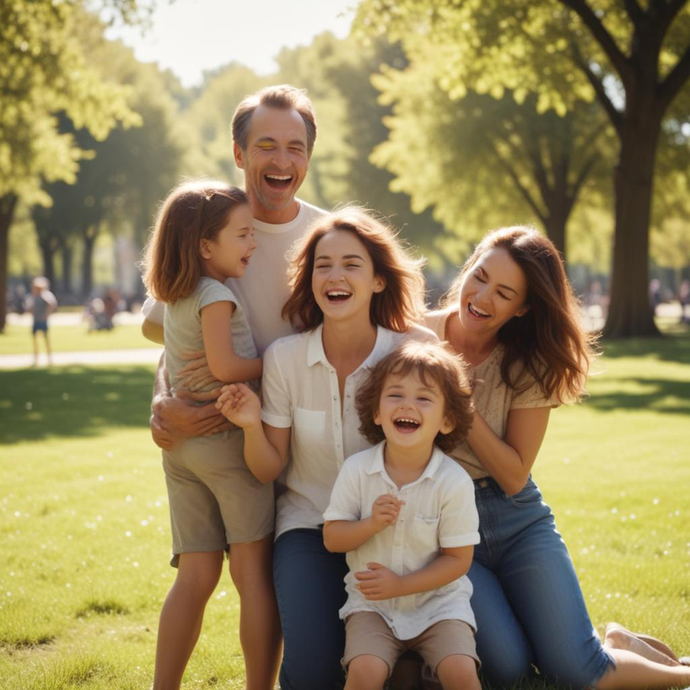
column 379, row 283
column 204, row 249
column 239, row 155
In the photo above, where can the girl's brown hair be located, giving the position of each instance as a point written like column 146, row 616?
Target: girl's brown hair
column 193, row 211
column 548, row 339
column 397, row 307
column 433, row 362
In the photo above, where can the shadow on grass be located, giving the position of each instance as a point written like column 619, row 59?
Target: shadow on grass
column 72, row 401
column 673, row 347
column 659, row 395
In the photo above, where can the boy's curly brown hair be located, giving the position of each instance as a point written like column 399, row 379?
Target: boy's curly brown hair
column 433, row 362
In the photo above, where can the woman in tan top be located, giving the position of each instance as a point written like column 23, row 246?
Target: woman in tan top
column 512, row 315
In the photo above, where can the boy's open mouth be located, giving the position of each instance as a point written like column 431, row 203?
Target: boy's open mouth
column 406, row 424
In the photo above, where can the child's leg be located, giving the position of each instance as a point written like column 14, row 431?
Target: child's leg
column 458, row 672
column 35, row 340
column 251, row 570
column 366, row 672
column 182, row 615
column 50, row 354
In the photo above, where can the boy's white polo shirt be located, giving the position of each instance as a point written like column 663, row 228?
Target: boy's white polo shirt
column 300, row 390
column 439, row 512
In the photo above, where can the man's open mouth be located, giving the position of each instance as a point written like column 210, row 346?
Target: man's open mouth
column 278, row 181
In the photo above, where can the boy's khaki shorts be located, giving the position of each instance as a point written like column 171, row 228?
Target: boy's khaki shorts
column 214, row 499
column 367, row 633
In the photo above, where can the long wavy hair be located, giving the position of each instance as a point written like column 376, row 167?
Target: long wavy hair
column 397, row 307
column 548, row 340
column 193, row 211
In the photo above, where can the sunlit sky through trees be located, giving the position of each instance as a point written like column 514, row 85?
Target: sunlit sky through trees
column 191, row 36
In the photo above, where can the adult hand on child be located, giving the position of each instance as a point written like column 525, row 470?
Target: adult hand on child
column 240, row 405
column 385, row 511
column 195, row 375
column 378, row 582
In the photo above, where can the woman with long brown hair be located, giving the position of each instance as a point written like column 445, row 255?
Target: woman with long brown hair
column 512, row 315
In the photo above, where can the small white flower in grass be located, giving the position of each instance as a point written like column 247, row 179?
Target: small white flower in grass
column 135, row 564
column 9, row 594
column 222, row 594
column 157, row 504
column 68, row 585
column 566, row 461
column 614, row 510
column 101, row 478
column 144, row 523
column 65, row 396
column 656, row 501
column 17, row 513
column 128, row 533
column 128, row 499
column 29, row 406
column 633, row 516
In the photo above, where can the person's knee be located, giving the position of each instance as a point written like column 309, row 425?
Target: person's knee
column 366, row 672
column 505, row 671
column 458, row 671
column 250, row 565
column 199, row 576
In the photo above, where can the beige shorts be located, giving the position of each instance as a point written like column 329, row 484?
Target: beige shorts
column 367, row 633
column 214, row 499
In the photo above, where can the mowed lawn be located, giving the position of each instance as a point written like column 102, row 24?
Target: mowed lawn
column 17, row 339
column 85, row 533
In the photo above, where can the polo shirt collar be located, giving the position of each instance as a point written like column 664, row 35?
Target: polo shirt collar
column 376, row 464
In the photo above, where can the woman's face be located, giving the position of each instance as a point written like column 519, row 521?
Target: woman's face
column 343, row 280
column 493, row 291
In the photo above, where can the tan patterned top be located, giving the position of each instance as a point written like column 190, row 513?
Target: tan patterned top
column 493, row 399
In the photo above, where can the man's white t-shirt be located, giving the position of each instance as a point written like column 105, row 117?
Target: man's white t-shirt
column 263, row 290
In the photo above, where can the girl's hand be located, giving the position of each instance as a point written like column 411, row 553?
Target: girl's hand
column 240, row 405
column 378, row 582
column 385, row 511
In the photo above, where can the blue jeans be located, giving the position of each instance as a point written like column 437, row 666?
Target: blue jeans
column 310, row 591
column 527, row 599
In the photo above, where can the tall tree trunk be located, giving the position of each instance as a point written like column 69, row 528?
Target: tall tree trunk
column 630, row 313
column 67, row 265
column 555, row 225
column 87, row 265
column 8, row 203
column 48, row 255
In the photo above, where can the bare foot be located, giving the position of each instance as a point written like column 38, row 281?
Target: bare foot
column 618, row 637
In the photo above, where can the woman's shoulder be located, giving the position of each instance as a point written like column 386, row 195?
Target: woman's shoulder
column 288, row 346
column 435, row 321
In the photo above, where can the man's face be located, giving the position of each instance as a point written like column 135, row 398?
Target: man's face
column 275, row 162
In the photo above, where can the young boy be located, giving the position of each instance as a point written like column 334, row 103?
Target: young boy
column 42, row 306
column 404, row 512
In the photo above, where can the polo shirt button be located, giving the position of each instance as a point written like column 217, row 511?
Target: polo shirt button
column 335, row 397
column 397, row 543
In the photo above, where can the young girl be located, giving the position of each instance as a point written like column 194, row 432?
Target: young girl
column 404, row 512
column 203, row 236
column 511, row 313
column 356, row 294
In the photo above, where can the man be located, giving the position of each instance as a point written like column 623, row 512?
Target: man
column 274, row 132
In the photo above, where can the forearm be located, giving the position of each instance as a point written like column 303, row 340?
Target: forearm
column 341, row 536
column 153, row 331
column 262, row 458
column 161, row 385
column 236, row 369
column 440, row 572
column 499, row 458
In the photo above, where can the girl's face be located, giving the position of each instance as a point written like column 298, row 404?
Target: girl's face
column 227, row 255
column 343, row 280
column 493, row 291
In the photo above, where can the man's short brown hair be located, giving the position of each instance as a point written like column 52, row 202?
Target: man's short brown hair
column 282, row 97
column 433, row 362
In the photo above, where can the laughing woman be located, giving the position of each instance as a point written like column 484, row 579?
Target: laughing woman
column 511, row 313
column 357, row 295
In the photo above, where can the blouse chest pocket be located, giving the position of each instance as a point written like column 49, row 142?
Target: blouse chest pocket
column 309, row 426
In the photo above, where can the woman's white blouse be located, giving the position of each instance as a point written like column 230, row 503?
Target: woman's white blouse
column 300, row 390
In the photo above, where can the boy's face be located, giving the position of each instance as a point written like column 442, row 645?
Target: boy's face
column 411, row 412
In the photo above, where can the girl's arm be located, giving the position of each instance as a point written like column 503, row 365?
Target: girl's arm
column 380, row 582
column 224, row 364
column 265, row 447
column 509, row 461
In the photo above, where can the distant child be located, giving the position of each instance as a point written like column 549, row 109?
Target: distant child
column 204, row 235
column 43, row 304
column 404, row 512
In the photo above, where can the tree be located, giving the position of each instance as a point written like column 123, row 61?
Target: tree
column 43, row 72
column 634, row 59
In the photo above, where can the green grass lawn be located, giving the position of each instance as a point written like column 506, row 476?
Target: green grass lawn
column 85, row 533
column 17, row 339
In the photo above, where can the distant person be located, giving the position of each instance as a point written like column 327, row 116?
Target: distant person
column 655, row 294
column 404, row 513
column 43, row 304
column 203, row 236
